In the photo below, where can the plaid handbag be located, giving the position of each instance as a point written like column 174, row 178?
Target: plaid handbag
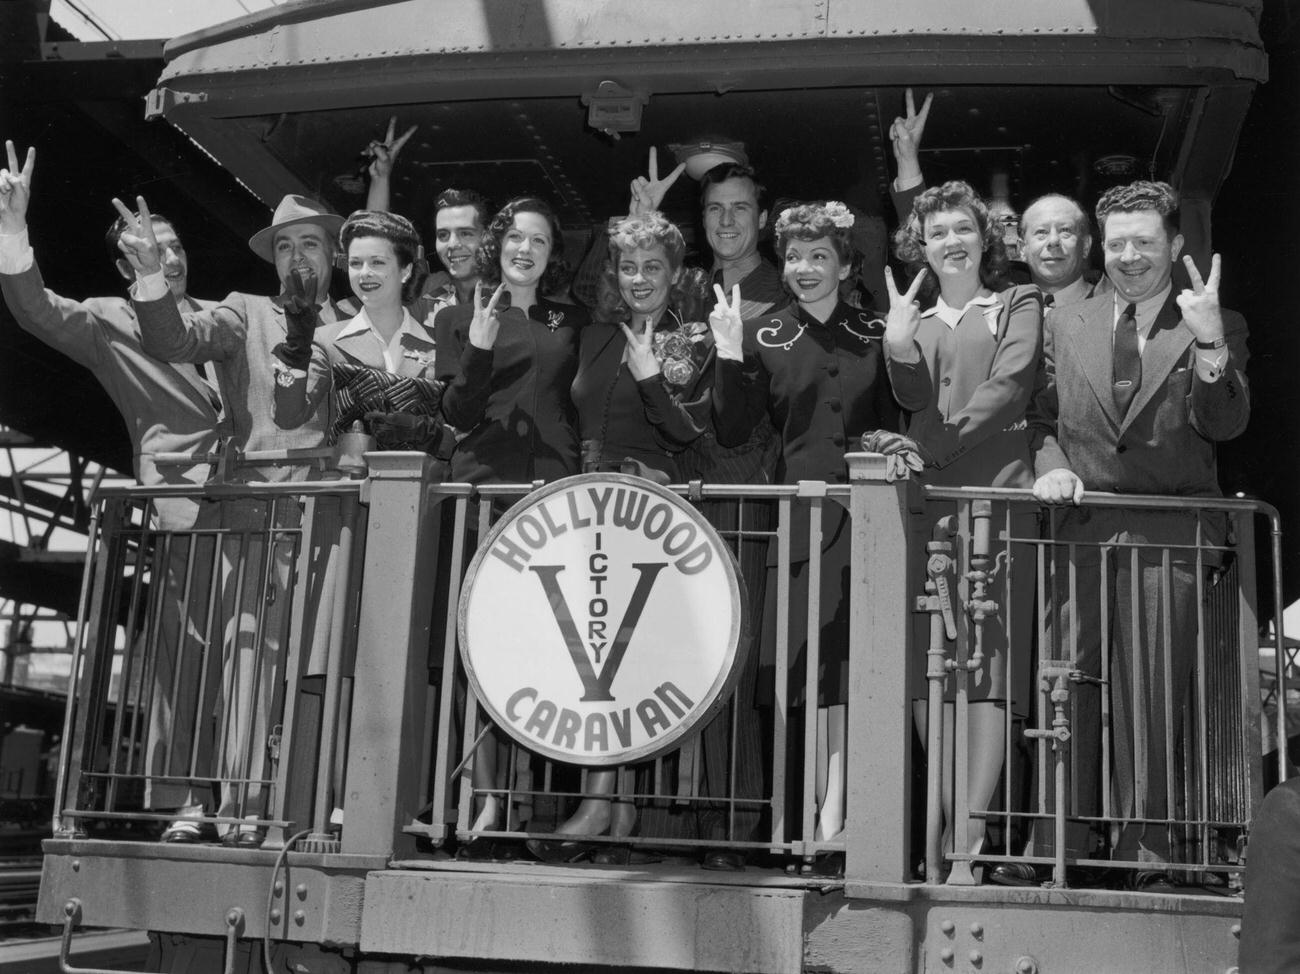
column 360, row 389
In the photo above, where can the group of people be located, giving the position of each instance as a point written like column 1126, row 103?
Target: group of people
column 744, row 372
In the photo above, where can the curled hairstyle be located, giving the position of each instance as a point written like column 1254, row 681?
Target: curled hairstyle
column 646, row 231
column 1141, row 195
column 909, row 239
column 464, row 197
column 487, row 258
column 120, row 226
column 812, row 221
column 398, row 231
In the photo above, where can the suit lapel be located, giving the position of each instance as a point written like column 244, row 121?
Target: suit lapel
column 361, row 347
column 1165, row 347
column 1093, row 344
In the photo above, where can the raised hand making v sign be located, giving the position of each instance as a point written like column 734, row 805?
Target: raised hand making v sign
column 905, row 133
column 904, row 318
column 15, row 190
column 138, row 244
column 648, row 193
column 485, row 324
column 728, row 329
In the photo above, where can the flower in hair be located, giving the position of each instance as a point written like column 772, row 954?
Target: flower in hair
column 838, row 214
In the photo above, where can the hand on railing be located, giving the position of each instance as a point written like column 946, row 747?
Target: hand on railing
column 906, row 456
column 1059, row 486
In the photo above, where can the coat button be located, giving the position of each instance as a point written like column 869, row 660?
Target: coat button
column 833, row 371
column 1121, row 448
column 835, row 405
column 947, row 381
column 838, row 439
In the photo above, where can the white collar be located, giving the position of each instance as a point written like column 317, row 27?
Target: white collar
column 1146, row 309
column 362, row 324
column 950, row 316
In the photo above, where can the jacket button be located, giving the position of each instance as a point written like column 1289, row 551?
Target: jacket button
column 1121, row 448
column 838, row 439
column 833, row 371
column 835, row 405
column 947, row 381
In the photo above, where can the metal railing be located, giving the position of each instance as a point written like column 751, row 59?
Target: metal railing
column 220, row 640
column 1134, row 681
column 396, row 747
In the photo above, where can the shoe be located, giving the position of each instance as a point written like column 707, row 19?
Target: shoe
column 244, row 837
column 1017, row 874
column 188, row 831
column 827, row 865
column 723, row 861
column 1151, row 881
column 478, row 849
column 612, row 855
column 559, row 850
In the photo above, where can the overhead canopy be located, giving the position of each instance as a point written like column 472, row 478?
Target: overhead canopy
column 1066, row 94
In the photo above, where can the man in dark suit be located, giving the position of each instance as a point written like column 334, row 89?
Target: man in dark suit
column 1141, row 384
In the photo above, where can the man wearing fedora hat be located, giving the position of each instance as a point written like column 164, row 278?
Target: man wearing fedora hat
column 245, row 337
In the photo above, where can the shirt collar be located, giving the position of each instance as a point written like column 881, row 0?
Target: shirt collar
column 1076, row 290
column 362, row 324
column 950, row 315
column 1146, row 310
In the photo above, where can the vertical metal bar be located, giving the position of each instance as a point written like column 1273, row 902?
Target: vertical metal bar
column 1048, row 626
column 157, row 593
column 780, row 689
column 212, row 641
column 1166, row 663
column 1107, row 610
column 1199, row 716
column 960, row 874
column 182, row 631
column 92, row 580
column 230, row 679
column 442, row 740
column 333, row 677
column 812, row 658
column 124, row 680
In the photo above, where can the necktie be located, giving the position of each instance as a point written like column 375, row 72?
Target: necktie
column 717, row 280
column 1049, row 300
column 1127, row 359
column 214, row 396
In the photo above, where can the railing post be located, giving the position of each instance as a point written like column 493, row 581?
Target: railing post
column 388, row 697
column 877, row 833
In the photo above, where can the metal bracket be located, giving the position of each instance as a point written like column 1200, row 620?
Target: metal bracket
column 162, row 100
column 72, row 918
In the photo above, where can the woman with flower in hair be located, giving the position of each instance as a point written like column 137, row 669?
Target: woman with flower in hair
column 509, row 361
column 642, row 396
column 964, row 370
column 816, row 369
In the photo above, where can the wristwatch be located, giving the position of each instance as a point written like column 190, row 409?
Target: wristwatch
column 1219, row 342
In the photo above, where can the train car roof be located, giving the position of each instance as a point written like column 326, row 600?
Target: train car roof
column 514, row 96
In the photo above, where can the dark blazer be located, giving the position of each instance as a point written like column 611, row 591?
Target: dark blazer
column 511, row 402
column 650, row 420
column 968, row 392
column 1165, row 443
column 822, row 385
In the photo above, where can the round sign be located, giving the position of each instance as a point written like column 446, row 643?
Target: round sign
column 601, row 619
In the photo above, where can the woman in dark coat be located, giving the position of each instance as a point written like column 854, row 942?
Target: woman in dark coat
column 508, row 365
column 816, row 369
column 645, row 366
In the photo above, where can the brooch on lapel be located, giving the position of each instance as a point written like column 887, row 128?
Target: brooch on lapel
column 769, row 336
column 554, row 319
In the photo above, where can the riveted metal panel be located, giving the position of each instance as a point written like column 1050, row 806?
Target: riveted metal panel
column 152, row 887
column 575, row 920
column 1008, row 937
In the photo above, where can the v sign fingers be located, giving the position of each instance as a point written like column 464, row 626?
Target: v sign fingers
column 728, row 329
column 137, row 242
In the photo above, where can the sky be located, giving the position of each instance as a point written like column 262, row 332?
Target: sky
column 134, row 20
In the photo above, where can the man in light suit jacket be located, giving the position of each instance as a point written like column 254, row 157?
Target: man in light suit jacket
column 240, row 336
column 168, row 409
column 1141, row 384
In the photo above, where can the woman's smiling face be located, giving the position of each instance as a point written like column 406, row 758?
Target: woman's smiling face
column 374, row 273
column 953, row 243
column 526, row 249
column 813, row 269
column 646, row 278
